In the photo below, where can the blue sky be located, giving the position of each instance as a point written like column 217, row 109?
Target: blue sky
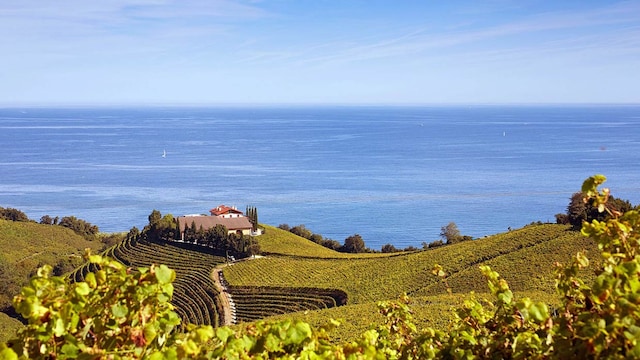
column 165, row 52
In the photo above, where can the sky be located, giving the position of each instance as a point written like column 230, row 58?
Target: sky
column 212, row 52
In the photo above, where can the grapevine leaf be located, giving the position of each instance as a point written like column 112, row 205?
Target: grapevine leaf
column 119, row 310
column 90, row 279
column 164, row 275
column 58, row 327
column 223, row 333
column 8, row 354
column 82, row 289
column 70, row 350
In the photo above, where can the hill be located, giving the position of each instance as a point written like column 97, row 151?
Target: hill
column 299, row 278
column 276, row 241
column 525, row 258
column 370, row 279
column 27, row 246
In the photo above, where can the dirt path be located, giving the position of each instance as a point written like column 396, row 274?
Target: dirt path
column 229, row 308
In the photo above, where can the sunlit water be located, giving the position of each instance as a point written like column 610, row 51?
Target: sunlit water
column 392, row 175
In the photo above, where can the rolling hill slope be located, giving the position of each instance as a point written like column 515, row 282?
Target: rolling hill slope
column 367, row 279
column 276, row 241
column 299, row 278
column 525, row 257
column 27, row 246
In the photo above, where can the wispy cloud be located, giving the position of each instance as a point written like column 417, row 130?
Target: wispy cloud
column 116, row 25
column 617, row 27
column 227, row 50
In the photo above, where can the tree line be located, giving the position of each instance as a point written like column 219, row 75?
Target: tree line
column 252, row 214
column 79, row 226
column 352, row 244
column 355, row 243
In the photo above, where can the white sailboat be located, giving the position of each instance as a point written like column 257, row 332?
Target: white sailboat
column 164, row 153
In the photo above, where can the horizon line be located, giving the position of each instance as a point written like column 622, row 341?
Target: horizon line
column 302, row 104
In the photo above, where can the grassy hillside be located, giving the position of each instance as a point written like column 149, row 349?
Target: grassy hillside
column 26, row 246
column 526, row 269
column 31, row 243
column 276, row 241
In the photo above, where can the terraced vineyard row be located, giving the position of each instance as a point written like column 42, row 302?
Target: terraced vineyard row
column 253, row 303
column 195, row 295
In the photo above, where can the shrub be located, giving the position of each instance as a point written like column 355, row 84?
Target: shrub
column 79, row 226
column 12, row 214
column 354, row 244
column 388, row 248
column 435, row 243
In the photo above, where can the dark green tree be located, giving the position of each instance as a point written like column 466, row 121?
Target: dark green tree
column 562, row 219
column 577, row 210
column 154, row 217
column 316, row 238
column 252, row 214
column 46, row 220
column 580, row 210
column 79, row 226
column 389, row 248
column 217, row 237
column 160, row 228
column 331, row 244
column 284, row 227
column 450, row 233
column 301, row 231
column 12, row 214
column 354, row 244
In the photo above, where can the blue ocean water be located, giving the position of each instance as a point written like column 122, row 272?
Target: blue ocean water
column 391, row 174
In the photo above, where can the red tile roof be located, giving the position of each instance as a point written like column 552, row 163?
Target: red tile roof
column 224, row 209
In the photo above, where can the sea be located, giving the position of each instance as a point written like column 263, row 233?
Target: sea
column 394, row 175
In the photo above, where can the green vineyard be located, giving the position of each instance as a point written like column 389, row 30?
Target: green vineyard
column 254, row 303
column 290, row 279
column 195, row 296
column 525, row 255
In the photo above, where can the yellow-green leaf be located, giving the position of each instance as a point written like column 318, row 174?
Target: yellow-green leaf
column 164, row 275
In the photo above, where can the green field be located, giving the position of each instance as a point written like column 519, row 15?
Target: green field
column 298, row 278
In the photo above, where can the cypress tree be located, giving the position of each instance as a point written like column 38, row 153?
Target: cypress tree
column 255, row 219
